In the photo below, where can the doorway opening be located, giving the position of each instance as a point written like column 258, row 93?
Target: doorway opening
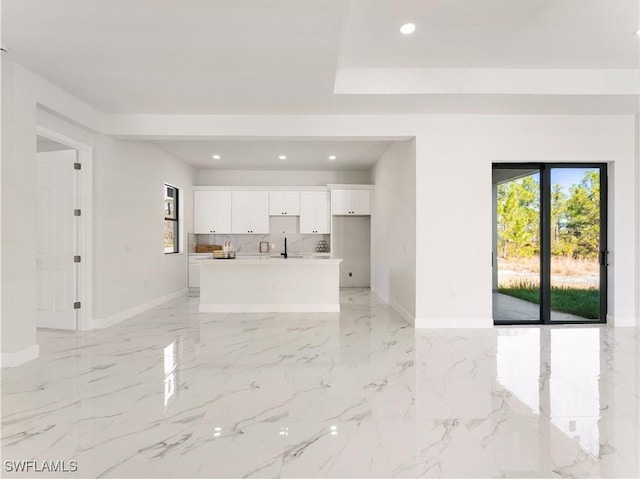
column 58, row 235
column 549, row 243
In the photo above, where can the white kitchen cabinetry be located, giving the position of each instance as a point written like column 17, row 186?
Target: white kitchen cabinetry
column 194, row 275
column 195, row 260
column 284, row 203
column 212, row 212
column 250, row 212
column 315, row 216
column 351, row 202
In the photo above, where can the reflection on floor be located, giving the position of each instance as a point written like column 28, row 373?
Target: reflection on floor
column 174, row 393
column 508, row 308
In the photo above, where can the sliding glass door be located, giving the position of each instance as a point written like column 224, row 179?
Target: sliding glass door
column 516, row 239
column 577, row 252
column 550, row 243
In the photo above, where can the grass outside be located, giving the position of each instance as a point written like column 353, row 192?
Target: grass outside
column 579, row 301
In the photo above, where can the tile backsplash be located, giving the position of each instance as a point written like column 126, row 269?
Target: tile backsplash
column 280, row 226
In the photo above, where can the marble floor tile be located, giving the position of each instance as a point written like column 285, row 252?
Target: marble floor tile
column 360, row 393
column 434, row 448
column 334, row 449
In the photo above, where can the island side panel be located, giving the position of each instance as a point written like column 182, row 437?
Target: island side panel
column 269, row 286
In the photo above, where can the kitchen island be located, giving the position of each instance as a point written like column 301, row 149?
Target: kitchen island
column 269, row 285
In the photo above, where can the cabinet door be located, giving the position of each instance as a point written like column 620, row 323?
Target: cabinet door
column 241, row 212
column 211, row 212
column 259, row 212
column 341, row 202
column 276, row 203
column 360, row 202
column 221, row 212
column 292, row 203
column 203, row 212
column 323, row 213
column 284, row 203
column 307, row 212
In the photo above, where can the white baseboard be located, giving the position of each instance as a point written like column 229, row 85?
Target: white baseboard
column 383, row 296
column 453, row 323
column 129, row 313
column 406, row 315
column 10, row 360
column 269, row 308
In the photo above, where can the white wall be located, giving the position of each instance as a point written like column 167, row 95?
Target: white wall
column 453, row 171
column 452, row 187
column 59, row 125
column 394, row 228
column 279, row 178
column 637, row 189
column 351, row 241
column 18, row 217
column 125, row 173
column 130, row 267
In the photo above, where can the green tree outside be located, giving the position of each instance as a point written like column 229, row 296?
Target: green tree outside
column 575, row 218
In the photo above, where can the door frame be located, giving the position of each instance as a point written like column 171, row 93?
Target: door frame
column 544, row 170
column 85, row 227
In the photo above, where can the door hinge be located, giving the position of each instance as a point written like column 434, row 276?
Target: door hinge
column 604, row 258
column 77, row 259
column 77, row 212
column 77, row 166
column 77, row 305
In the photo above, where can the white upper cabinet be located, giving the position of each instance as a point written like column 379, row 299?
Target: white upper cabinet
column 284, row 203
column 241, row 211
column 314, row 212
column 341, row 202
column 212, row 212
column 250, row 212
column 323, row 212
column 351, row 202
column 360, row 202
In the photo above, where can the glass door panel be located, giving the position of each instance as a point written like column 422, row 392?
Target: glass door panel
column 575, row 244
column 516, row 238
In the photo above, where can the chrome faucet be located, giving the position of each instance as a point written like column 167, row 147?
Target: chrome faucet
column 285, row 249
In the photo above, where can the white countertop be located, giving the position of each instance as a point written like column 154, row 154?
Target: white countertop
column 271, row 261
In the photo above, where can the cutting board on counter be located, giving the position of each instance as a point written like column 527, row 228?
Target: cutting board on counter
column 208, row 248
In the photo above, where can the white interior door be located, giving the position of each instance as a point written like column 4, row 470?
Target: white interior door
column 56, row 271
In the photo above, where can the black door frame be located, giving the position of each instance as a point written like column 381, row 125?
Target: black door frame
column 544, row 170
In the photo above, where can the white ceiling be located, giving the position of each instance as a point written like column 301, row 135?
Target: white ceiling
column 281, row 56
column 263, row 154
column 492, row 34
column 187, row 56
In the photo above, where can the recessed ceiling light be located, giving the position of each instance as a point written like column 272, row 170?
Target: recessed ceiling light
column 333, row 157
column 408, row 28
column 216, row 157
column 282, row 157
column 637, row 32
